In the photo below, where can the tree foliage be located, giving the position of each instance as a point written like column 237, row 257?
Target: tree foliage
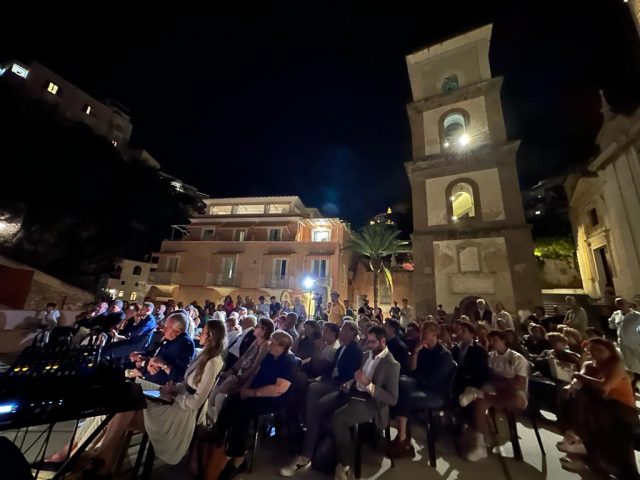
column 377, row 242
column 554, row 248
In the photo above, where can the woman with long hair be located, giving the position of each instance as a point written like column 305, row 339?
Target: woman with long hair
column 242, row 371
column 600, row 416
column 169, row 426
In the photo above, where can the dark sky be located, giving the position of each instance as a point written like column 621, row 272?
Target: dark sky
column 308, row 97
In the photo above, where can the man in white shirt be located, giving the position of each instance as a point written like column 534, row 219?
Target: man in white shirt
column 242, row 341
column 407, row 314
column 263, row 309
column 626, row 323
column 501, row 319
column 49, row 316
column 298, row 308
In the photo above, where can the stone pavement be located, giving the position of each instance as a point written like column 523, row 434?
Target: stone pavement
column 272, row 456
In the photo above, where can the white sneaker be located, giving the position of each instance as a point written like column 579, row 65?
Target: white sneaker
column 469, row 395
column 342, row 473
column 300, row 464
column 479, row 451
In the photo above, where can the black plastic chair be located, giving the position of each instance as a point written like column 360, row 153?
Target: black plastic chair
column 357, row 464
column 441, row 405
column 532, row 413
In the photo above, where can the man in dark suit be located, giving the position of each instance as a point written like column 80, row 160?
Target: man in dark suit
column 114, row 316
column 242, row 342
column 169, row 362
column 325, row 397
column 472, row 360
column 396, row 346
column 482, row 312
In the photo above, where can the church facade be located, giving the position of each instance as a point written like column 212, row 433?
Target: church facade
column 470, row 237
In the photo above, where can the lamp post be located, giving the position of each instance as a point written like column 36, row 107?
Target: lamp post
column 308, row 283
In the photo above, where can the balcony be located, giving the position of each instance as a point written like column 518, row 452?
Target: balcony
column 277, row 281
column 222, row 280
column 323, row 281
column 164, row 278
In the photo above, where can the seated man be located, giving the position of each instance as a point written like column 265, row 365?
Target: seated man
column 135, row 335
column 430, row 367
column 242, row 342
column 267, row 393
column 325, row 397
column 365, row 397
column 396, row 346
column 472, row 360
column 536, row 342
column 325, row 353
column 506, row 389
column 372, row 391
column 169, row 362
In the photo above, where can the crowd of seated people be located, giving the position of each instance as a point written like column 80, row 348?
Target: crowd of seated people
column 327, row 374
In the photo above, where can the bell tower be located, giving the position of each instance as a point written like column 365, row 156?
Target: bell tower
column 469, row 237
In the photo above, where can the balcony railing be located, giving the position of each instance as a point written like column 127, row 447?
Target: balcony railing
column 164, row 278
column 222, row 280
column 323, row 281
column 277, row 281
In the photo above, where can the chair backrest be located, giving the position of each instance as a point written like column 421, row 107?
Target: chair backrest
column 452, row 377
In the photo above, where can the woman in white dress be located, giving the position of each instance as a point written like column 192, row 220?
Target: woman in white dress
column 170, row 427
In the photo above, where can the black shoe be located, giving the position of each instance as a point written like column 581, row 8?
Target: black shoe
column 231, row 471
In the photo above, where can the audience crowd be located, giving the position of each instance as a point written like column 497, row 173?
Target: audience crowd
column 344, row 367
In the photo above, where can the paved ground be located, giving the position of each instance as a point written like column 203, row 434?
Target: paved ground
column 271, row 457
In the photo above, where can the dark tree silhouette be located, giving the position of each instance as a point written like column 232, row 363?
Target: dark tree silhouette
column 80, row 202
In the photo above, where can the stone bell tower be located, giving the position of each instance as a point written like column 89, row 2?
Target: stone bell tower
column 470, row 237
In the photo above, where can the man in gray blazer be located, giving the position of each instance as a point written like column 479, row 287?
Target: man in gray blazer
column 372, row 391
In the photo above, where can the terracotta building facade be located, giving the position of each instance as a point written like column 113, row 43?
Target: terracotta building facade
column 251, row 247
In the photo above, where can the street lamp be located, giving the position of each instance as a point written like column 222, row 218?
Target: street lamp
column 308, row 283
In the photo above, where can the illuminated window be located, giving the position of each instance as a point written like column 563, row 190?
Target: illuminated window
column 454, row 128
column 207, row 234
column 319, row 268
column 120, row 293
column 450, row 83
column 249, row 209
column 239, row 235
column 284, row 208
column 114, row 143
column 19, row 70
column 321, row 236
column 220, row 210
column 462, row 201
column 133, row 296
column 88, row 109
column 275, row 234
column 53, row 88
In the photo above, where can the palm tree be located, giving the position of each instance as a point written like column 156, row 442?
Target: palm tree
column 377, row 242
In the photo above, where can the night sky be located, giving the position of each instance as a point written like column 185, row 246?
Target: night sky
column 308, row 98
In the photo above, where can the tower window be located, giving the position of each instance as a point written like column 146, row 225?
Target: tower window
column 88, row 109
column 454, row 126
column 593, row 216
column 137, row 270
column 53, row 88
column 450, row 83
column 462, row 201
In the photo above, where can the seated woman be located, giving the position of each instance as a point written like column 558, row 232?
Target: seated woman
column 169, row 426
column 305, row 345
column 559, row 350
column 232, row 380
column 267, row 393
column 536, row 342
column 600, row 416
column 506, row 389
